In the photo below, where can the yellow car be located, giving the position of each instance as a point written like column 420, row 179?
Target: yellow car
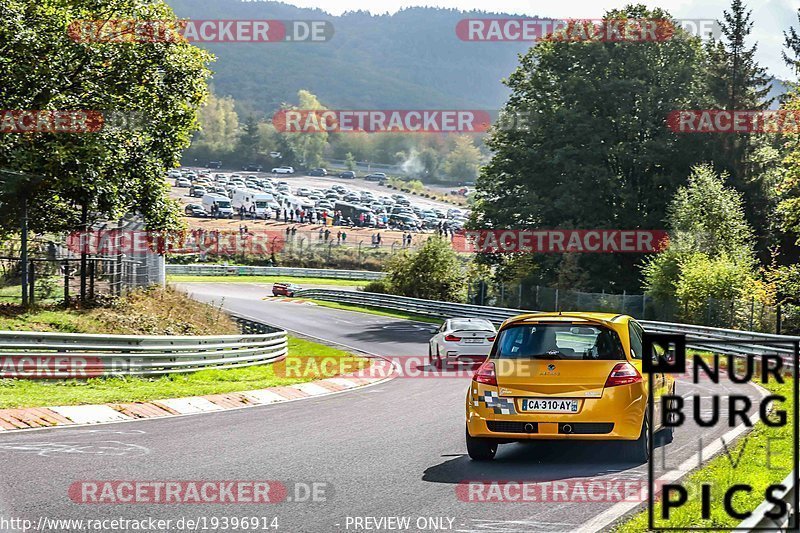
column 565, row 376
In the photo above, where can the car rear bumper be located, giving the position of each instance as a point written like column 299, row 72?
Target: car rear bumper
column 617, row 415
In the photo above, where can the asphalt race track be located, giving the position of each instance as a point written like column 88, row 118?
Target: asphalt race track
column 394, row 449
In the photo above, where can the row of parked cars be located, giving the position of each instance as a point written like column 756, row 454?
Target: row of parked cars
column 265, row 197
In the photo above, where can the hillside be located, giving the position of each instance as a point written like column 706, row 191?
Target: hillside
column 411, row 59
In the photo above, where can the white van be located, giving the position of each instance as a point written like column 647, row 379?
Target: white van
column 254, row 202
column 222, row 203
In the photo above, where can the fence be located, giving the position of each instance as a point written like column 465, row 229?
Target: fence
column 234, row 270
column 743, row 314
column 35, row 355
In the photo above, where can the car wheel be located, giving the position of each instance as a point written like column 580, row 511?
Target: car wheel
column 430, row 357
column 637, row 451
column 290, row 294
column 438, row 362
column 480, row 449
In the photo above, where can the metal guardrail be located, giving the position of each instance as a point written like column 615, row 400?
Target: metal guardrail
column 234, row 270
column 700, row 337
column 725, row 341
column 758, row 521
column 37, row 355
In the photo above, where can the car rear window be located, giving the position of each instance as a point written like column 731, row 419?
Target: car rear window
column 559, row 341
column 471, row 325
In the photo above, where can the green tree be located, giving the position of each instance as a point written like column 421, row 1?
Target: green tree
column 594, row 151
column 306, row 149
column 463, row 160
column 219, row 125
column 791, row 42
column 350, row 161
column 157, row 88
column 737, row 82
column 433, row 272
column 708, row 234
column 248, row 147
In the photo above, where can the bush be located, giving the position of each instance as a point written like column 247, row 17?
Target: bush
column 378, row 286
column 433, row 273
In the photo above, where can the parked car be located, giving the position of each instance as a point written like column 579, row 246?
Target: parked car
column 347, row 174
column 183, row 182
column 283, row 170
column 174, row 174
column 375, row 176
column 252, row 167
column 461, row 340
column 195, row 210
column 285, row 289
column 318, row 172
column 197, row 191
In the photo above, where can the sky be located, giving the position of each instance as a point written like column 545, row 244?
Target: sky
column 770, row 17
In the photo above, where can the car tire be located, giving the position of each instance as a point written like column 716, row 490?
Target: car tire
column 438, row 361
column 290, row 294
column 480, row 449
column 431, row 362
column 637, row 451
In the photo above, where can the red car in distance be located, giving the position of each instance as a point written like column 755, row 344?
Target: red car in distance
column 285, row 289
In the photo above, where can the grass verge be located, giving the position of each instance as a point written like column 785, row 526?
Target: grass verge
column 761, row 458
column 303, row 355
column 266, row 279
column 153, row 311
column 380, row 311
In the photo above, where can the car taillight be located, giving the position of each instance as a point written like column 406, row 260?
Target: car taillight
column 486, row 374
column 452, row 338
column 490, row 339
column 623, row 374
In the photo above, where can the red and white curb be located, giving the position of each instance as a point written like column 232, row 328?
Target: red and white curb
column 71, row 415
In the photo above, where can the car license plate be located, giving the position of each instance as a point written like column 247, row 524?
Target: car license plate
column 473, row 341
column 544, row 405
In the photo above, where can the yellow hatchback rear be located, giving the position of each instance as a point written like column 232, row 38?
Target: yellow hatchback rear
column 561, row 377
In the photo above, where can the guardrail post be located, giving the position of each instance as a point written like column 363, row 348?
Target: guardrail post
column 92, row 269
column 66, row 283
column 31, row 282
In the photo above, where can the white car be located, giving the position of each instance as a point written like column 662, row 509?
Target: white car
column 283, row 170
column 461, row 340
